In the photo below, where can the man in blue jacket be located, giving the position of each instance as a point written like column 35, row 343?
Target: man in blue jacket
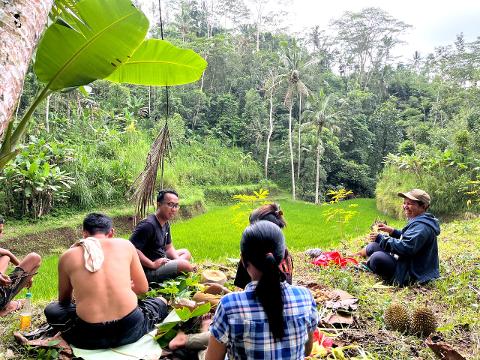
column 409, row 255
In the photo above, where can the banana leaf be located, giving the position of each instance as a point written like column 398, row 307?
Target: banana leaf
column 77, row 55
column 159, row 63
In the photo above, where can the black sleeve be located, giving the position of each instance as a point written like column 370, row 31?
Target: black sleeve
column 140, row 236
column 169, row 237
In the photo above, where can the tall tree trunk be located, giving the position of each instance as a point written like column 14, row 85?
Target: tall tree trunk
column 290, row 144
column 269, row 136
column 22, row 22
column 47, row 114
column 317, row 169
column 299, row 137
column 258, row 37
column 149, row 101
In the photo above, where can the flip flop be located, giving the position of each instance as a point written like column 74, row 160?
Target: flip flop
column 12, row 306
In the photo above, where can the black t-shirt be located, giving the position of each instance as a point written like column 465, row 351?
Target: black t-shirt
column 151, row 238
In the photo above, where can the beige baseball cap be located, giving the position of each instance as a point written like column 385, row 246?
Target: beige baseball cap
column 417, row 195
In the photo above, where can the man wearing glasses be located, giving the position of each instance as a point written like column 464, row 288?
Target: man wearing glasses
column 151, row 237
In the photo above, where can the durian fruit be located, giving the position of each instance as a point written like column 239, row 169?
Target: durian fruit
column 423, row 322
column 396, row 318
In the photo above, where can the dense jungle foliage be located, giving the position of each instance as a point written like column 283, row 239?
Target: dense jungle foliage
column 325, row 109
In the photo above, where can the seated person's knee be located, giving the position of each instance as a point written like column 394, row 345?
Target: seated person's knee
column 185, row 254
column 185, row 266
column 372, row 248
column 35, row 258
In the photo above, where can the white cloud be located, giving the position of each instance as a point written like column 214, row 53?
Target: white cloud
column 434, row 22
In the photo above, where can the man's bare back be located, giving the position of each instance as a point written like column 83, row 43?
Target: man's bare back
column 105, row 275
column 109, row 293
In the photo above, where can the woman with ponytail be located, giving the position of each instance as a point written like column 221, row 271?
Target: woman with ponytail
column 270, row 319
column 270, row 212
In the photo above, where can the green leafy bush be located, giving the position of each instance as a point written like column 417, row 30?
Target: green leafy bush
column 209, row 162
column 443, row 174
column 34, row 182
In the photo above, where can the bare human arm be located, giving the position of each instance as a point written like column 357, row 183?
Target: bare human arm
column 171, row 252
column 388, row 229
column 215, row 350
column 13, row 258
column 309, row 344
column 373, row 237
column 4, row 279
column 149, row 264
column 65, row 288
column 139, row 280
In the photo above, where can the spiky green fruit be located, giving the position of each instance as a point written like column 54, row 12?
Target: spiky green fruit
column 423, row 322
column 396, row 318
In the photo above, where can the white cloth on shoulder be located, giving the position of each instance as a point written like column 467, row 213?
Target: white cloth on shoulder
column 92, row 253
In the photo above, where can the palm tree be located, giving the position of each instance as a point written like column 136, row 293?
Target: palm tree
column 295, row 86
column 320, row 111
column 271, row 83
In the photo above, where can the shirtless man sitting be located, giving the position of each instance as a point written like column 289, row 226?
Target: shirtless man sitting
column 106, row 276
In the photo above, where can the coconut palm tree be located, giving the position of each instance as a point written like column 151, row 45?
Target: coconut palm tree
column 271, row 83
column 320, row 111
column 295, row 86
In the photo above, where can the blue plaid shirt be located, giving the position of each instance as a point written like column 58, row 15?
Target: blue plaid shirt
column 241, row 324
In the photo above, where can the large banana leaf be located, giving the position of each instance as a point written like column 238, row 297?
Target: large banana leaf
column 77, row 55
column 158, row 62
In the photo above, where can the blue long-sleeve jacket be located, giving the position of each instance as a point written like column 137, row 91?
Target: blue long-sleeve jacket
column 417, row 250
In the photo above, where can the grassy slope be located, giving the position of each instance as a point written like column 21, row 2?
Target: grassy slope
column 454, row 298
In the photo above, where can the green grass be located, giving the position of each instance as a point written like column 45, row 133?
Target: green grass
column 15, row 228
column 452, row 297
column 45, row 284
column 214, row 236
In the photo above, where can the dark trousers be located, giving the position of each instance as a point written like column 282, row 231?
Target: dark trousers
column 380, row 261
column 109, row 334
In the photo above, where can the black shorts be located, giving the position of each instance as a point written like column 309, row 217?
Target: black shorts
column 19, row 278
column 109, row 334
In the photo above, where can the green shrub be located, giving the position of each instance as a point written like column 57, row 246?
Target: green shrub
column 34, row 182
column 208, row 162
column 444, row 175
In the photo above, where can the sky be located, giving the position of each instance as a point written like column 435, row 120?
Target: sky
column 434, row 23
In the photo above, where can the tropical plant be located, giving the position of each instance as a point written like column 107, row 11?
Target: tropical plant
column 271, row 83
column 246, row 204
column 295, row 86
column 320, row 110
column 473, row 192
column 340, row 215
column 34, row 182
column 166, row 331
column 105, row 37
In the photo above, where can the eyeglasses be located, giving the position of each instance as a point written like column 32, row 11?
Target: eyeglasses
column 172, row 205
